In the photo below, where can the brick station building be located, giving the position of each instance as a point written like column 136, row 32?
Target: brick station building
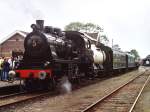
column 14, row 42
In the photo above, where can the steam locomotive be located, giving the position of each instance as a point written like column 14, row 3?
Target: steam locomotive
column 51, row 54
column 146, row 61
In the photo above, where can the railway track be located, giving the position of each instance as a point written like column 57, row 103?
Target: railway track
column 14, row 99
column 9, row 90
column 11, row 95
column 122, row 99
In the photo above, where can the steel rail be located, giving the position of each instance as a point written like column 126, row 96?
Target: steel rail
column 131, row 109
column 114, row 91
column 11, row 95
column 25, row 99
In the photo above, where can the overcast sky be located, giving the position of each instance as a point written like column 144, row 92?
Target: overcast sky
column 126, row 21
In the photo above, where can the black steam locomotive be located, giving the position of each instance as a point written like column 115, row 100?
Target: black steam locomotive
column 51, row 54
column 146, row 61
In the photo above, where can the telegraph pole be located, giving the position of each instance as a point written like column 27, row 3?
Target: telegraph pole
column 112, row 42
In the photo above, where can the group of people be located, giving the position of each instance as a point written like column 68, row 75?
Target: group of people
column 6, row 64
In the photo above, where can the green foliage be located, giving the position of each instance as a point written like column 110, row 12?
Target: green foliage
column 135, row 53
column 116, row 47
column 88, row 27
column 74, row 26
column 104, row 37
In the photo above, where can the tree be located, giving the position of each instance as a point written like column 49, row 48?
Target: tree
column 116, row 47
column 104, row 39
column 135, row 53
column 88, row 28
column 74, row 26
column 91, row 28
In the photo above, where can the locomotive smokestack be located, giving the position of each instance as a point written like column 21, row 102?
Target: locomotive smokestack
column 40, row 24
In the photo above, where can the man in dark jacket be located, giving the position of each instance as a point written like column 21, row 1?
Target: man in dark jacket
column 1, row 62
column 5, row 70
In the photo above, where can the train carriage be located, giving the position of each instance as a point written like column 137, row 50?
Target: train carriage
column 130, row 61
column 119, row 60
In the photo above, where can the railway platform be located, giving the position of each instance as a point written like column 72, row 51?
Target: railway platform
column 6, row 83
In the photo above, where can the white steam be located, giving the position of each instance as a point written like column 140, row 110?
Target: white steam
column 66, row 86
column 27, row 7
column 38, row 15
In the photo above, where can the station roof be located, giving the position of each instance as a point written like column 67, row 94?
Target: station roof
column 93, row 35
column 22, row 33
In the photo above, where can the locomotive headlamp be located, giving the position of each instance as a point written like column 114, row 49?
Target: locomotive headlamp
column 147, row 62
column 42, row 75
column 11, row 75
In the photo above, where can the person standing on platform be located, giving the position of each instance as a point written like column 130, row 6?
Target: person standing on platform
column 6, row 68
column 1, row 67
column 11, row 63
